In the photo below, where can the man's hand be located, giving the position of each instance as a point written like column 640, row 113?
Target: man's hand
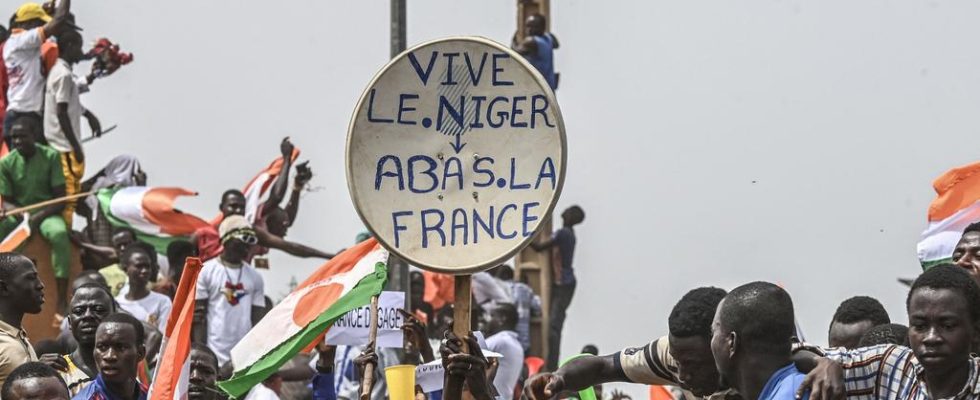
column 94, row 124
column 303, row 175
column 825, row 381
column 414, row 330
column 54, row 361
column 365, row 358
column 472, row 366
column 286, row 148
column 79, row 155
column 619, row 395
column 543, row 386
column 35, row 222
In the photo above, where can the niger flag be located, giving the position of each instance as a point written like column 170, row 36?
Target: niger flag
column 150, row 212
column 342, row 284
column 256, row 189
column 172, row 377
column 957, row 205
column 18, row 236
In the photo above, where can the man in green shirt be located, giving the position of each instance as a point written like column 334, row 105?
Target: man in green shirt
column 30, row 174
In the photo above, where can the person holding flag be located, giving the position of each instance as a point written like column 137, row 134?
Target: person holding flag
column 344, row 283
column 186, row 370
column 269, row 221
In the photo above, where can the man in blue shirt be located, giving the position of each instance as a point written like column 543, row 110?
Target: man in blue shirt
column 538, row 47
column 751, row 342
column 562, row 245
column 118, row 351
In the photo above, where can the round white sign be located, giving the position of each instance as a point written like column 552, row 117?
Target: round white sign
column 455, row 154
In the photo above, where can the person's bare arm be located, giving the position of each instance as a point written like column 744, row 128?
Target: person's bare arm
column 199, row 329
column 575, row 375
column 542, row 246
column 65, row 122
column 824, row 377
column 93, row 122
column 278, row 191
column 40, row 215
column 257, row 314
column 527, row 47
column 271, row 241
column 303, row 176
column 59, row 19
column 79, row 240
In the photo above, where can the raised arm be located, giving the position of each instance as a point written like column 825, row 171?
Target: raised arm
column 59, row 20
column 303, row 176
column 278, row 191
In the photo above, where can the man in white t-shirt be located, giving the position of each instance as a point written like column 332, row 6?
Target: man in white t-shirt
column 22, row 58
column 63, row 114
column 230, row 292
column 503, row 339
column 139, row 262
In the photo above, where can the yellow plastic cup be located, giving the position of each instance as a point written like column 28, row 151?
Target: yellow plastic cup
column 401, row 382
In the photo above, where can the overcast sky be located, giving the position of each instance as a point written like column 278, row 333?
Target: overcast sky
column 710, row 142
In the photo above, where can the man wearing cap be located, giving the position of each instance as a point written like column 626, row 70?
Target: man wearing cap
column 22, row 58
column 230, row 292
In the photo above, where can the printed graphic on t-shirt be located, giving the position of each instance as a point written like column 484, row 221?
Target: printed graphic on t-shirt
column 234, row 293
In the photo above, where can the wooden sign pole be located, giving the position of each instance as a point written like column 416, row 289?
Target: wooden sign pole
column 462, row 311
column 367, row 381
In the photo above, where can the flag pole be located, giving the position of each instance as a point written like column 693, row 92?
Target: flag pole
column 367, row 381
column 45, row 203
column 462, row 307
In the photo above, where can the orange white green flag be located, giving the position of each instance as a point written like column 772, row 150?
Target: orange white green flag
column 150, row 212
column 957, row 205
column 172, row 378
column 346, row 282
column 257, row 189
column 18, row 236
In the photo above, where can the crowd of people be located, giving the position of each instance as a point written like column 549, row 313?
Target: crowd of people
column 720, row 345
column 112, row 314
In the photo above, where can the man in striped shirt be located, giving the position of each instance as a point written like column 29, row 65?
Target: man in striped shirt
column 682, row 358
column 944, row 322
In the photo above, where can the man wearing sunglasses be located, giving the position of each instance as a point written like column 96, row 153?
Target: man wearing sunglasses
column 230, row 292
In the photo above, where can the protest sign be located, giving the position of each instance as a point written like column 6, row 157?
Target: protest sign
column 353, row 328
column 455, row 154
